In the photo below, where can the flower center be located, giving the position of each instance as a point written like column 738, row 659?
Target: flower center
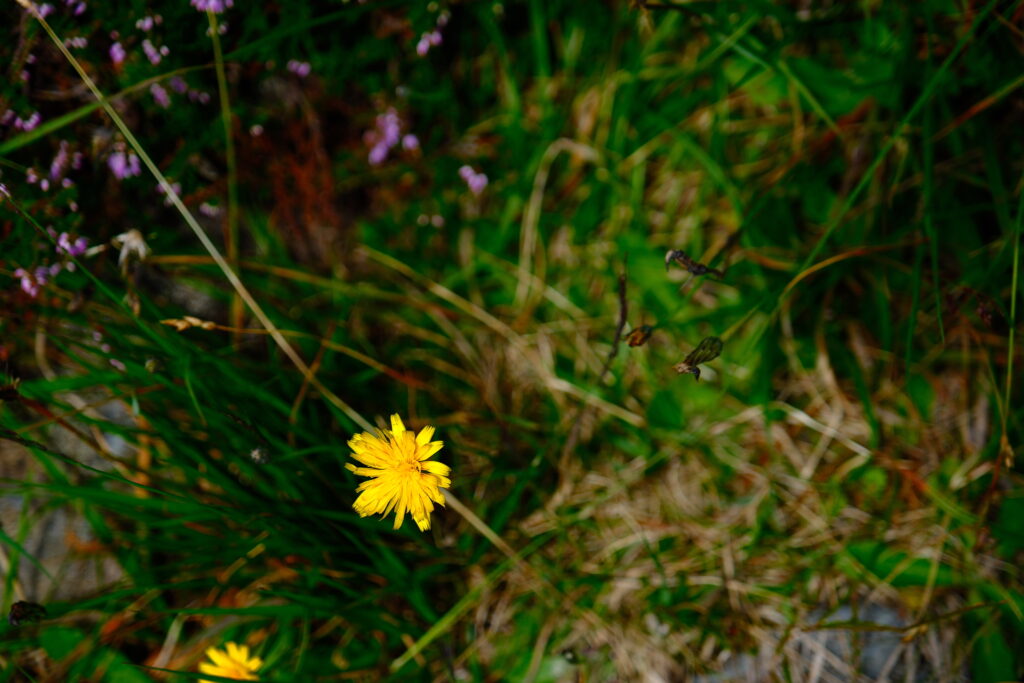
column 410, row 466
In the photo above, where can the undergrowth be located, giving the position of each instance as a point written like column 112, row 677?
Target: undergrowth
column 459, row 212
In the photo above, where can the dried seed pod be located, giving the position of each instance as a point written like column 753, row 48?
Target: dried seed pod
column 638, row 336
column 678, row 256
column 188, row 322
column 707, row 350
column 133, row 249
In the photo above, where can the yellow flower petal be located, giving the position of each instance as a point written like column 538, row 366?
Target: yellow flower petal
column 434, row 467
column 238, row 652
column 400, row 478
column 423, row 438
column 232, row 662
column 219, row 657
column 397, row 427
column 430, row 449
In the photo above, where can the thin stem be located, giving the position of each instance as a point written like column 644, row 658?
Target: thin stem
column 231, row 224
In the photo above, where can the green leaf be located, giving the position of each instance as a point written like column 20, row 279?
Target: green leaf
column 123, row 672
column 1009, row 526
column 665, row 410
column 897, row 568
column 992, row 660
column 60, row 641
column 921, row 393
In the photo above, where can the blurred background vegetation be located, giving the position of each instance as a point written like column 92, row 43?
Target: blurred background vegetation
column 454, row 211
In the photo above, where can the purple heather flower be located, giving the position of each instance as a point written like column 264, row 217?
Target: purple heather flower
column 174, row 186
column 117, row 364
column 7, row 117
column 215, row 6
column 118, row 164
column 42, row 275
column 28, row 285
column 25, row 75
column 378, row 153
column 60, row 161
column 389, row 127
column 147, row 23
column 300, row 69
column 208, row 209
column 79, row 8
column 160, row 95
column 66, row 246
column 428, row 40
column 28, row 124
column 410, row 142
column 117, row 54
column 44, row 184
column 386, row 134
column 178, row 85
column 31, row 176
column 124, row 165
column 45, row 10
column 67, row 182
column 476, row 181
column 77, row 42
column 151, row 52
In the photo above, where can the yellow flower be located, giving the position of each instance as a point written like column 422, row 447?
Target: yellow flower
column 402, row 476
column 234, row 663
